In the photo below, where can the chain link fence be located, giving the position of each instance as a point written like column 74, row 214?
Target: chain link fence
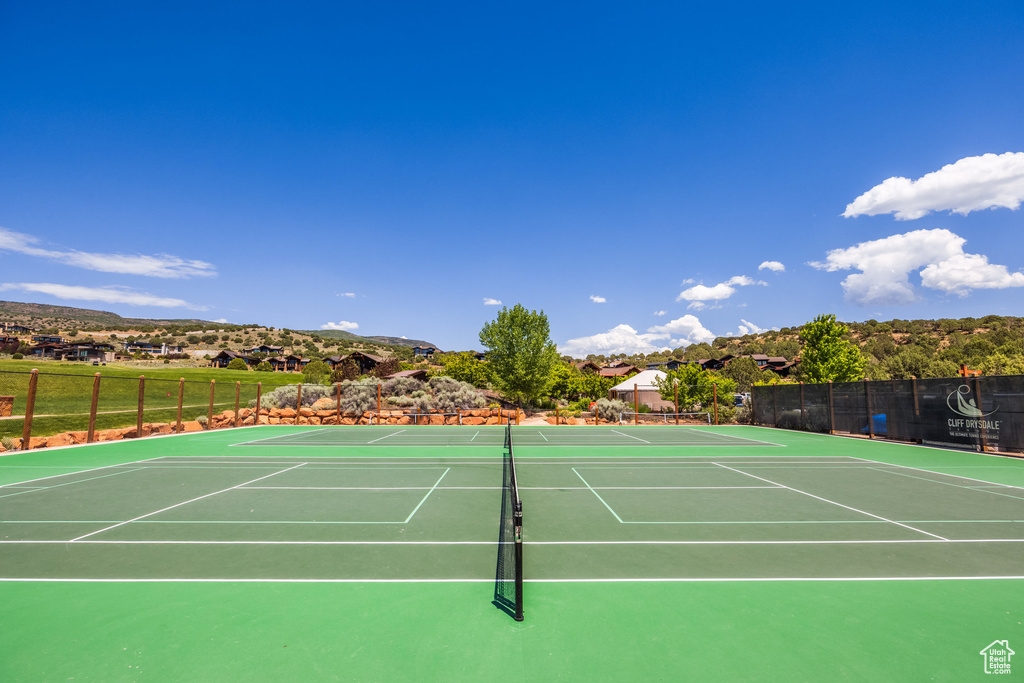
column 983, row 413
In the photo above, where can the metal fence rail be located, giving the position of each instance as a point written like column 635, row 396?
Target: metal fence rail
column 983, row 413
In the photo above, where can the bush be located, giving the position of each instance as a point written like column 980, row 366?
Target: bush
column 317, row 372
column 237, row 364
column 264, row 367
column 286, row 396
column 202, row 420
column 9, row 443
column 401, row 386
column 611, row 410
column 451, row 394
column 17, row 356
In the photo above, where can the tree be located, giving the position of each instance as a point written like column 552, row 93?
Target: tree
column 316, row 372
column 827, row 355
column 465, row 368
column 520, row 352
column 744, row 371
column 696, row 387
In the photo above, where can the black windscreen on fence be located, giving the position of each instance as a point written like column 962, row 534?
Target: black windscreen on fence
column 985, row 413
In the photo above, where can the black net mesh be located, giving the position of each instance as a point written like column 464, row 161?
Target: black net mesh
column 508, row 579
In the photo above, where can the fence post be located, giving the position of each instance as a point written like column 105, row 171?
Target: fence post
column 831, row 410
column 913, row 387
column 337, row 401
column 378, row 400
column 803, row 415
column 238, row 391
column 142, row 397
column 636, row 405
column 30, row 409
column 558, row 419
column 517, row 416
column 298, row 403
column 259, row 400
column 981, row 420
column 91, row 436
column 458, row 411
column 714, row 399
column 181, row 400
column 209, row 413
column 676, row 386
column 867, row 399
column 775, row 405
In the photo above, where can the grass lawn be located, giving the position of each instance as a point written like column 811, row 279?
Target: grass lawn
column 64, row 393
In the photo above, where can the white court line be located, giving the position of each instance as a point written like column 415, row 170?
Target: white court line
column 475, row 435
column 542, row 435
column 293, row 435
column 826, row 500
column 941, row 474
column 752, row 579
column 980, row 489
column 69, row 483
column 598, row 496
column 576, row 444
column 171, row 507
column 742, row 438
column 630, row 436
column 384, row 437
column 426, row 496
column 91, row 469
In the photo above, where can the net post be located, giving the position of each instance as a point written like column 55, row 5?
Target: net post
column 30, row 409
column 238, row 393
column 181, row 400
column 517, row 520
column 867, row 401
column 636, row 405
column 714, row 399
column 209, row 411
column 91, row 435
column 142, row 396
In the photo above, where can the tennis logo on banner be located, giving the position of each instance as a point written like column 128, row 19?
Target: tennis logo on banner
column 971, row 419
column 997, row 657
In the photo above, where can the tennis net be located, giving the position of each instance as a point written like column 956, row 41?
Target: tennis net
column 508, row 578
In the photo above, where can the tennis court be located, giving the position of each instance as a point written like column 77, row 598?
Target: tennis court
column 365, row 553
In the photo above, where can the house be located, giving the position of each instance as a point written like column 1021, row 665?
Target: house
column 88, row 351
column 646, row 392
column 587, row 366
column 16, row 329
column 5, row 340
column 265, row 348
column 618, row 370
column 421, row 375
column 365, row 361
column 713, row 363
column 222, row 359
column 152, row 349
column 479, row 355
column 425, row 351
column 291, row 363
column 47, row 350
column 667, row 365
column 47, row 339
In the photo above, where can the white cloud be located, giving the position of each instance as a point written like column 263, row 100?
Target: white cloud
column 660, row 313
column 886, row 264
column 619, row 339
column 774, row 266
column 349, row 295
column 988, row 181
column 220, row 320
column 155, row 265
column 747, row 327
column 624, row 339
column 698, row 294
column 597, row 299
column 488, row 301
column 340, row 325
column 109, row 295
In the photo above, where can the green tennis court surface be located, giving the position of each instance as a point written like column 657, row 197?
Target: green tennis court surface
column 368, row 553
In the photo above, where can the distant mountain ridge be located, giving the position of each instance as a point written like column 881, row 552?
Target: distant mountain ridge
column 47, row 315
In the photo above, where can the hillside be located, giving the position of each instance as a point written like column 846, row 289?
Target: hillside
column 390, row 341
column 894, row 349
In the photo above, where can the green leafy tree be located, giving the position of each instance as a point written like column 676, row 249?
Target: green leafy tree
column 743, row 371
column 316, row 372
column 464, row 367
column 696, row 387
column 264, row 366
column 237, row 364
column 827, row 355
column 520, row 352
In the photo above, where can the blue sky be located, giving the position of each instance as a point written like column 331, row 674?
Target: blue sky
column 649, row 177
